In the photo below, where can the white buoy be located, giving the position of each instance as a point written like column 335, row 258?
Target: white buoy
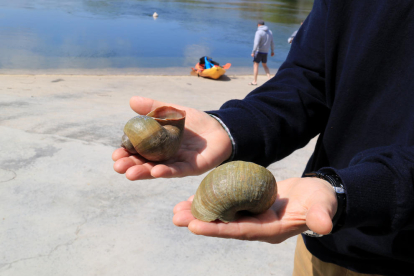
column 155, row 14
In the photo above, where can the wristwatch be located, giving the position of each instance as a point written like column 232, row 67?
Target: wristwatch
column 332, row 178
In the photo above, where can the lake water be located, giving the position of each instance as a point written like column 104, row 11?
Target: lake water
column 122, row 36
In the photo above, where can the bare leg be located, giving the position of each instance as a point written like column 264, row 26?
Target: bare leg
column 255, row 71
column 266, row 70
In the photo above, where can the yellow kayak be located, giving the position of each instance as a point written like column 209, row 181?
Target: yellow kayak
column 213, row 73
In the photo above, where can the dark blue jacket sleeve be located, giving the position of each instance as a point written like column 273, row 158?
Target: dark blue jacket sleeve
column 282, row 116
column 379, row 183
column 287, row 111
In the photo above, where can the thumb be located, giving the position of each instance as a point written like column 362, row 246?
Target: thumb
column 319, row 219
column 143, row 105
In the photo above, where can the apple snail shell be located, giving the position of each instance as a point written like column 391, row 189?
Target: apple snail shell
column 156, row 136
column 233, row 187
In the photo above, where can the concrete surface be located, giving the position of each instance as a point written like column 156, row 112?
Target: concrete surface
column 63, row 209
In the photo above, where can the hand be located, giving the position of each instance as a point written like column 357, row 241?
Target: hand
column 272, row 54
column 205, row 145
column 301, row 204
column 252, row 55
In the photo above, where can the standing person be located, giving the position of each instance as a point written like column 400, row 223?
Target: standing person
column 263, row 40
column 351, row 85
column 290, row 39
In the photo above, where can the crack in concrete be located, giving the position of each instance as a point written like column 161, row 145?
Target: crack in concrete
column 7, row 175
column 6, row 266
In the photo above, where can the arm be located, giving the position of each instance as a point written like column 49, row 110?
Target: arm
column 380, row 189
column 271, row 122
column 290, row 108
column 379, row 184
column 256, row 43
column 272, row 46
column 290, row 39
column 295, row 98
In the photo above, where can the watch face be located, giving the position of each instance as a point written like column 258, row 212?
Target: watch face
column 339, row 190
column 312, row 234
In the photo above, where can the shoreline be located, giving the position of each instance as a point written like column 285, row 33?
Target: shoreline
column 167, row 71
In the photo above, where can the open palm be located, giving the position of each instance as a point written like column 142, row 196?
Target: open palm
column 302, row 204
column 205, row 145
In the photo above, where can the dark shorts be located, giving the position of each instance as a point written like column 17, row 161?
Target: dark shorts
column 260, row 57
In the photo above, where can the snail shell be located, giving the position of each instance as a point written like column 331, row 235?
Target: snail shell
column 232, row 187
column 156, row 136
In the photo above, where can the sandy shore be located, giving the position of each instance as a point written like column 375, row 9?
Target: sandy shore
column 64, row 211
column 165, row 71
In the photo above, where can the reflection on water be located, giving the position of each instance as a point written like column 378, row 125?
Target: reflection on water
column 120, row 34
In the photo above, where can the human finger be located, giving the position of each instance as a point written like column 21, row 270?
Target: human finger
column 123, row 164
column 217, row 229
column 177, row 169
column 143, row 105
column 183, row 218
column 252, row 228
column 119, row 153
column 319, row 220
column 140, row 172
column 182, row 206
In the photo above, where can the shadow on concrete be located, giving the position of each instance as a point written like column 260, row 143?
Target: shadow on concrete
column 224, row 78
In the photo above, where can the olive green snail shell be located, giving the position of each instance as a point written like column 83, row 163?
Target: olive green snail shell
column 156, row 136
column 233, row 187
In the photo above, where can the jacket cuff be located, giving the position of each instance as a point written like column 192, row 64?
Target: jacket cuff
column 369, row 207
column 233, row 144
column 237, row 123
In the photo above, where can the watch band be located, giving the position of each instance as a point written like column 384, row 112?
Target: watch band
column 332, row 178
column 312, row 234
